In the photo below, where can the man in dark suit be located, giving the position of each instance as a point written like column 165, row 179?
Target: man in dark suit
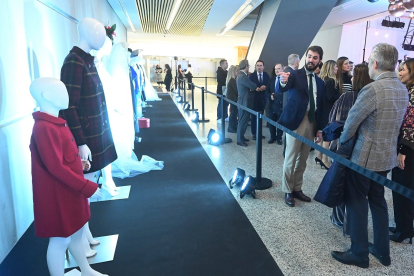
column 244, row 87
column 275, row 103
column 293, row 64
column 260, row 78
column 302, row 114
column 221, row 81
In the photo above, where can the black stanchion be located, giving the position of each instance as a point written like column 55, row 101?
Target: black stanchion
column 262, row 183
column 223, row 123
column 179, row 88
column 185, row 92
column 192, row 98
column 206, row 84
column 203, row 120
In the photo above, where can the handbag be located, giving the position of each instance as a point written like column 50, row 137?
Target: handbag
column 332, row 188
column 406, row 143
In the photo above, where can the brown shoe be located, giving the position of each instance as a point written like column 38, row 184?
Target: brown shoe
column 289, row 200
column 299, row 195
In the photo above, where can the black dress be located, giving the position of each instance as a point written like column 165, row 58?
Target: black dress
column 168, row 79
column 330, row 97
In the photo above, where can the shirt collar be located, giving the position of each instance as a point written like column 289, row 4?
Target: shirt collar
column 307, row 72
column 46, row 117
column 258, row 74
column 380, row 75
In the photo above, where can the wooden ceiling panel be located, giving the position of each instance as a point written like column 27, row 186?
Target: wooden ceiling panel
column 189, row 20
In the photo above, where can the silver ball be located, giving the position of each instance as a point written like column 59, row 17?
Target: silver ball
column 408, row 4
column 396, row 9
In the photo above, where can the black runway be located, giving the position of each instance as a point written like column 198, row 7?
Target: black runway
column 182, row 220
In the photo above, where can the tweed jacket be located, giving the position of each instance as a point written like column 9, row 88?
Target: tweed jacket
column 244, row 87
column 87, row 114
column 376, row 118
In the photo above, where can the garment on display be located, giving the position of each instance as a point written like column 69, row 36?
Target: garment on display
column 150, row 93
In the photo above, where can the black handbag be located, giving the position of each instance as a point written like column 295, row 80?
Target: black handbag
column 332, row 188
column 406, row 143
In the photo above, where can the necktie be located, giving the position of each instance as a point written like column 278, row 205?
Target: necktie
column 260, row 78
column 277, row 85
column 311, row 113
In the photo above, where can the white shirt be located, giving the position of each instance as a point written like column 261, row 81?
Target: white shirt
column 258, row 76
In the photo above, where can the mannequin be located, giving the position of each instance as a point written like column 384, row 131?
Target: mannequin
column 60, row 192
column 87, row 115
column 150, row 93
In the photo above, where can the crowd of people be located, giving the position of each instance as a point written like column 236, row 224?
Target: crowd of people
column 367, row 100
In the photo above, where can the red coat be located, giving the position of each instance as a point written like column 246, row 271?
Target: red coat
column 60, row 192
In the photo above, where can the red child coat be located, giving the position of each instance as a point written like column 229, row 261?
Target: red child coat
column 60, row 191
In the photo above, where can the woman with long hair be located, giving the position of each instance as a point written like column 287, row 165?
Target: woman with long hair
column 328, row 75
column 403, row 174
column 168, row 77
column 339, row 113
column 232, row 94
column 344, row 75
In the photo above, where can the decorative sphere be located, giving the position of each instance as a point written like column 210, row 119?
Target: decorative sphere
column 396, row 9
column 408, row 4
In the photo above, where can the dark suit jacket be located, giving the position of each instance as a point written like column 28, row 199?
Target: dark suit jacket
column 232, row 93
column 244, row 87
column 288, row 69
column 221, row 80
column 259, row 97
column 295, row 110
column 277, row 103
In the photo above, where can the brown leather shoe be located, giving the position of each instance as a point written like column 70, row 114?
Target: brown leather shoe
column 289, row 200
column 300, row 195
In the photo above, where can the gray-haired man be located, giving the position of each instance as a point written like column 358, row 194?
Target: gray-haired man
column 376, row 120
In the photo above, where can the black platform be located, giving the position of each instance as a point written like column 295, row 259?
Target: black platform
column 182, row 220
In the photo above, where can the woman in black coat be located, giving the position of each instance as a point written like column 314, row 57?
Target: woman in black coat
column 232, row 94
column 328, row 75
column 168, row 77
column 403, row 174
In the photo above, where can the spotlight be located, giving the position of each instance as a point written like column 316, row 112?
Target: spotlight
column 408, row 4
column 194, row 117
column 179, row 99
column 213, row 137
column 238, row 178
column 248, row 187
column 186, row 106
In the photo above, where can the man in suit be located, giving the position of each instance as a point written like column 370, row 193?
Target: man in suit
column 260, row 78
column 293, row 64
column 375, row 118
column 244, row 87
column 302, row 114
column 275, row 103
column 221, row 81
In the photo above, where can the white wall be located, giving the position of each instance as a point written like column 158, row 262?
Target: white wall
column 35, row 41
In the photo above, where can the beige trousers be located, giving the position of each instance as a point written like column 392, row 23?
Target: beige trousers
column 296, row 155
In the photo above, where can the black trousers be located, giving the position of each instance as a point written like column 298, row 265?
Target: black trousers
column 275, row 133
column 361, row 191
column 403, row 207
column 233, row 118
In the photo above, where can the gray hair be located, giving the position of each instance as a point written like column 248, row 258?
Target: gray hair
column 243, row 64
column 385, row 55
column 292, row 58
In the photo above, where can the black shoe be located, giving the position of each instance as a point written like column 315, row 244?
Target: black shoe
column 271, row 141
column 254, row 137
column 246, row 140
column 349, row 258
column 392, row 230
column 301, row 196
column 399, row 237
column 289, row 200
column 384, row 260
column 317, row 160
column 231, row 131
column 279, row 142
column 243, row 144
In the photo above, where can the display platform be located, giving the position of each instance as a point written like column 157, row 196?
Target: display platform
column 106, row 252
column 73, row 272
column 123, row 194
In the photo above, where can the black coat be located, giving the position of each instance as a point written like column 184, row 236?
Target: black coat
column 232, row 93
column 168, row 77
column 277, row 103
column 221, row 80
column 330, row 97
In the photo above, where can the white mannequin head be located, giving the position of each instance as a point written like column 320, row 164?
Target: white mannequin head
column 50, row 94
column 92, row 34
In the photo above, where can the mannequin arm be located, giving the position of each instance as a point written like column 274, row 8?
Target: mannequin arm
column 85, row 153
column 71, row 76
column 49, row 144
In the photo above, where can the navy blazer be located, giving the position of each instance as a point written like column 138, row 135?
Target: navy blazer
column 295, row 110
column 259, row 96
column 277, row 103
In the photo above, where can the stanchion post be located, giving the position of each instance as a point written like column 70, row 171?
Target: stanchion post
column 261, row 182
column 179, row 88
column 223, row 122
column 203, row 120
column 206, row 84
column 185, row 91
column 192, row 98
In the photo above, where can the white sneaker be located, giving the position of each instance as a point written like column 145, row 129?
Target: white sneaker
column 219, row 121
column 227, row 119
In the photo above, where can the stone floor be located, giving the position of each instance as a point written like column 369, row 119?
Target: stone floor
column 301, row 238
